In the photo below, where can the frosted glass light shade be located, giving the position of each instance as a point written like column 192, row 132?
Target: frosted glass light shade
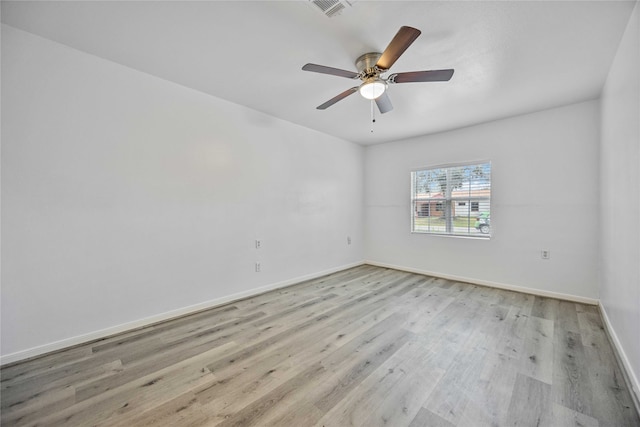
column 372, row 90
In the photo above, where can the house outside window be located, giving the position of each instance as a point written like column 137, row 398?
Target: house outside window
column 452, row 200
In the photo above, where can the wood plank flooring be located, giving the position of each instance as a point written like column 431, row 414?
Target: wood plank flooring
column 366, row 346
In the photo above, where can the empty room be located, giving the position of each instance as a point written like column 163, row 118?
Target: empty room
column 320, row 213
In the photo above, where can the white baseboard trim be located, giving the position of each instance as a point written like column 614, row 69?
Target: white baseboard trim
column 162, row 317
column 531, row 291
column 629, row 374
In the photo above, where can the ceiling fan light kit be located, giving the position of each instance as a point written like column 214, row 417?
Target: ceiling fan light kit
column 372, row 65
column 372, row 89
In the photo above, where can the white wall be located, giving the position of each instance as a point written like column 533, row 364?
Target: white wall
column 544, row 196
column 620, row 189
column 125, row 196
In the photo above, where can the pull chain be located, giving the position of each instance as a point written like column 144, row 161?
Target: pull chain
column 373, row 116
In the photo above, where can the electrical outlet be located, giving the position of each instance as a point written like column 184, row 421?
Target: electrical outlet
column 258, row 244
column 257, row 267
column 348, row 240
column 545, row 254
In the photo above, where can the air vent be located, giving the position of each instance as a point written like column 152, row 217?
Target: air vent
column 332, row 8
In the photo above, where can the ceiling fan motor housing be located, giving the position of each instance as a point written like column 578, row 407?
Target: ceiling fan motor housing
column 366, row 65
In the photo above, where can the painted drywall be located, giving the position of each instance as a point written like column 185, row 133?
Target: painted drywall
column 620, row 196
column 544, row 197
column 125, row 196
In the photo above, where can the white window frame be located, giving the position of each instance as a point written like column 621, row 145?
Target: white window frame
column 454, row 197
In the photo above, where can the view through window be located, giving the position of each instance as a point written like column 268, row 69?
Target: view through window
column 453, row 200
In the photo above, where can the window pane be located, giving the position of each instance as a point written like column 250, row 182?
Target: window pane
column 454, row 200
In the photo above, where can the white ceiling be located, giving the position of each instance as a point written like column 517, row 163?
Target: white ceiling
column 510, row 57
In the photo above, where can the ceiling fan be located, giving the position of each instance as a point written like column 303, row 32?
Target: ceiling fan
column 372, row 65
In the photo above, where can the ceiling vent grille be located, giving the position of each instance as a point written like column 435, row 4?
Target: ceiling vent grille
column 331, row 8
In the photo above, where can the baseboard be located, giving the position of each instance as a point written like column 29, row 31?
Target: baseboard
column 525, row 290
column 162, row 317
column 627, row 370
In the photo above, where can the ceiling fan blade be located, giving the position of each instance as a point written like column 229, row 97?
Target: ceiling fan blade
column 330, row 70
column 421, row 76
column 335, row 99
column 384, row 103
column 400, row 43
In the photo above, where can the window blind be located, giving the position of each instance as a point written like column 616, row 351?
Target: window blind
column 452, row 200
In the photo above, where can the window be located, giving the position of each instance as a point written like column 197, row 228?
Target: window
column 452, row 200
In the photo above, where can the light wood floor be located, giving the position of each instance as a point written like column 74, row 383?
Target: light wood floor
column 366, row 347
